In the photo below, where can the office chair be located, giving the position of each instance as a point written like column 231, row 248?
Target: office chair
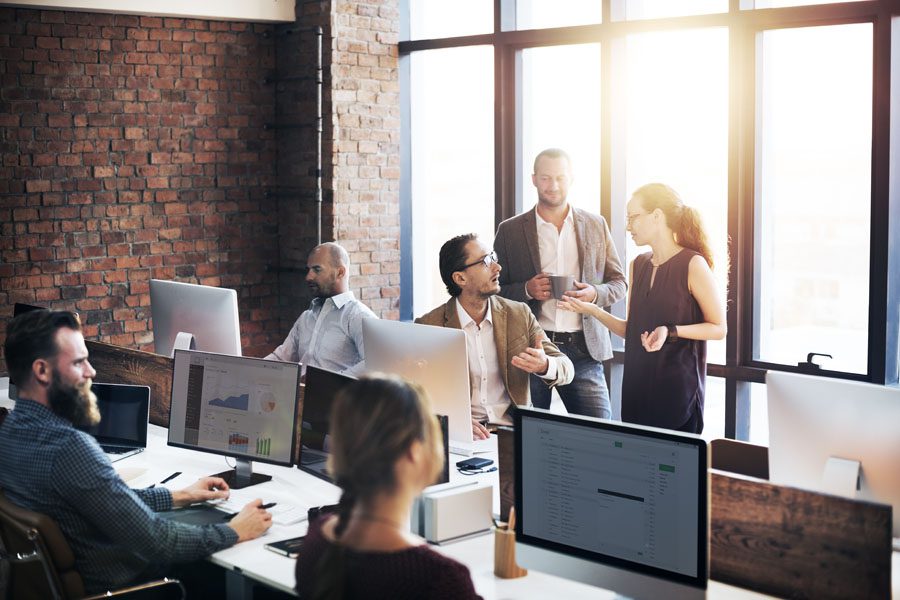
column 42, row 564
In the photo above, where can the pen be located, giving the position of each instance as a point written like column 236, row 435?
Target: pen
column 266, row 505
column 167, row 479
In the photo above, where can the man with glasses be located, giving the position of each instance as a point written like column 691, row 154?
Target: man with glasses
column 500, row 334
column 558, row 239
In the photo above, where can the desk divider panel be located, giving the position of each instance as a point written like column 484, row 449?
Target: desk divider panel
column 506, row 464
column 796, row 543
column 117, row 364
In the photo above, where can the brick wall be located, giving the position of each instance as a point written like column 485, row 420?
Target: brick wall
column 133, row 147
column 365, row 118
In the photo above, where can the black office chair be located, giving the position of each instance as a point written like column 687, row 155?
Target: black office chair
column 42, row 565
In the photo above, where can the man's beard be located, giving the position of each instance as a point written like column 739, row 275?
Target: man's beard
column 76, row 403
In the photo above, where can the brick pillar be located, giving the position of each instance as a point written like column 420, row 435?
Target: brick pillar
column 361, row 174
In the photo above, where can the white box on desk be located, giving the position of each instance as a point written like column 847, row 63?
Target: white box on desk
column 452, row 510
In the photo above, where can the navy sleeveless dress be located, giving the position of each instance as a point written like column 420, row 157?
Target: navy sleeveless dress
column 664, row 388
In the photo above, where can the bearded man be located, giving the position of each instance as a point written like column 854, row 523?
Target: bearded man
column 49, row 466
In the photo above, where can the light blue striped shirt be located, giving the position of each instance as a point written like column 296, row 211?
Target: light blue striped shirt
column 328, row 335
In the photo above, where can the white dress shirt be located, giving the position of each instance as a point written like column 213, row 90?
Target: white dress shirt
column 559, row 256
column 328, row 335
column 490, row 400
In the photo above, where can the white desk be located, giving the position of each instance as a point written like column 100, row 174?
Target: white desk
column 251, row 560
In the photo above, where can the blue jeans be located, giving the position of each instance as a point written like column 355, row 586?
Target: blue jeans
column 586, row 395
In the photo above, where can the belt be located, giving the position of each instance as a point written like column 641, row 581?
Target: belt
column 566, row 337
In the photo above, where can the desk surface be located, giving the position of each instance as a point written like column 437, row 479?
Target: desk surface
column 295, row 486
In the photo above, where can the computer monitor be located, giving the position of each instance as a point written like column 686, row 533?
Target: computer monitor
column 235, row 406
column 835, row 436
column 435, row 358
column 192, row 317
column 619, row 506
column 319, row 392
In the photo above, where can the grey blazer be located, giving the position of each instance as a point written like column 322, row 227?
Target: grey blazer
column 518, row 252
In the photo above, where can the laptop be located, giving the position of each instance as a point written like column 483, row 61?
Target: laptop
column 320, row 389
column 124, row 412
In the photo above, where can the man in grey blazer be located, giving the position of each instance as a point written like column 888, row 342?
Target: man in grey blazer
column 558, row 239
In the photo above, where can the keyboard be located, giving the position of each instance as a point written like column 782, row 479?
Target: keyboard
column 119, row 449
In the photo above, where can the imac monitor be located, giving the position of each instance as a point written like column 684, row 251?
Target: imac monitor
column 835, row 436
column 618, row 506
column 319, row 392
column 435, row 358
column 124, row 412
column 240, row 407
column 192, row 317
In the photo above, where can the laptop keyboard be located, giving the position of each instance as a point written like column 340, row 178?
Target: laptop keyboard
column 117, row 449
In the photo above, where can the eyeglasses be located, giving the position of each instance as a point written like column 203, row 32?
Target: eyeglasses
column 630, row 219
column 486, row 260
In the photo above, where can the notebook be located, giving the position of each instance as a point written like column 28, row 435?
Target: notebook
column 124, row 411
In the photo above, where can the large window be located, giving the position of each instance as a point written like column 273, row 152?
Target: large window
column 560, row 108
column 452, row 158
column 774, row 123
column 813, row 195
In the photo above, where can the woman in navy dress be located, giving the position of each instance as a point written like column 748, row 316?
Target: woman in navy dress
column 673, row 308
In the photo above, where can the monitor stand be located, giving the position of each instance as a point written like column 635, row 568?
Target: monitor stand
column 841, row 477
column 183, row 341
column 242, row 475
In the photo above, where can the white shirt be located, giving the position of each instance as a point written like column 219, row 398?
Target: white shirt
column 559, row 256
column 490, row 400
column 328, row 335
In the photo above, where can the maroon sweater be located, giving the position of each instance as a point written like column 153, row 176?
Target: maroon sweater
column 414, row 573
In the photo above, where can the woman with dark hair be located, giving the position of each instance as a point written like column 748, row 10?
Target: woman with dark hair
column 673, row 308
column 385, row 449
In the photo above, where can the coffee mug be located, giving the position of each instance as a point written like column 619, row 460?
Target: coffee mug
column 560, row 284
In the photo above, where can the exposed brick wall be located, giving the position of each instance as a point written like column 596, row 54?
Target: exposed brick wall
column 361, row 174
column 134, row 147
column 365, row 117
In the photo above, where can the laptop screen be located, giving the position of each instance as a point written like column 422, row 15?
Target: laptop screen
column 319, row 392
column 124, row 410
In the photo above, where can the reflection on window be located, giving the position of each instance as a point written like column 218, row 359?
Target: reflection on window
column 561, row 109
column 813, row 195
column 430, row 19
column 452, row 130
column 677, row 131
column 540, row 14
column 658, row 9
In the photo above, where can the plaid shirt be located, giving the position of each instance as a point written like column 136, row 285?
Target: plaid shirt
column 48, row 466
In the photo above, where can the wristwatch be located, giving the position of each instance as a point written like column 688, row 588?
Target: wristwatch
column 673, row 333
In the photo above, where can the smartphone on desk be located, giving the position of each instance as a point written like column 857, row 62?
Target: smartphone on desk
column 289, row 548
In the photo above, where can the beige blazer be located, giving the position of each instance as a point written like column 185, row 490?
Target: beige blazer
column 514, row 330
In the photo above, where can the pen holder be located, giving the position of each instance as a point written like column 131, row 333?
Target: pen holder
column 505, row 565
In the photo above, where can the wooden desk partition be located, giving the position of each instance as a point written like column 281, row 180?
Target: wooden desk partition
column 796, row 543
column 739, row 457
column 506, row 464
column 116, row 364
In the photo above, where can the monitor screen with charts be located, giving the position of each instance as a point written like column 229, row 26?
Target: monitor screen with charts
column 236, row 406
column 835, row 436
column 434, row 357
column 190, row 316
column 124, row 411
column 619, row 506
column 319, row 392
